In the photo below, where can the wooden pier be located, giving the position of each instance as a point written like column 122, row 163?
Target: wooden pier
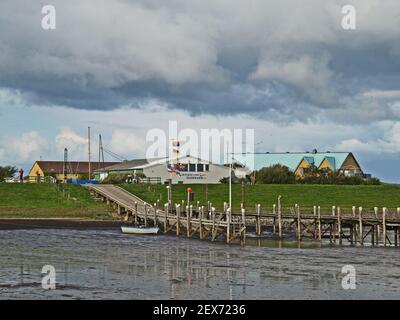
column 381, row 227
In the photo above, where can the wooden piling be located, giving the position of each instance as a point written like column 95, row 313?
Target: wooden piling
column 145, row 215
column 178, row 218
column 361, row 231
column 298, row 223
column 155, row 222
column 136, row 213
column 166, row 209
column 319, row 224
column 243, row 226
column 339, row 224
column 258, row 220
column 333, row 225
column 279, row 218
column 228, row 225
column 384, row 227
column 274, row 219
column 213, row 230
column 189, row 216
column 201, row 212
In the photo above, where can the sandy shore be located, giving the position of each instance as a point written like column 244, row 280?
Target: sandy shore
column 55, row 223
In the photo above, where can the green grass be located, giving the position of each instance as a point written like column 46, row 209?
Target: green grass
column 306, row 196
column 49, row 201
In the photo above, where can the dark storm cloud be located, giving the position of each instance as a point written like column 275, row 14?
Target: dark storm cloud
column 205, row 57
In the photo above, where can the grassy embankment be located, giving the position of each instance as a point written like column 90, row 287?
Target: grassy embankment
column 49, row 201
column 306, row 196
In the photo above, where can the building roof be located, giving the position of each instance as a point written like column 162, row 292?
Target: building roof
column 128, row 165
column 146, row 163
column 290, row 159
column 74, row 166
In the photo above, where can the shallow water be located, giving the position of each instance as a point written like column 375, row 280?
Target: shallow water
column 105, row 264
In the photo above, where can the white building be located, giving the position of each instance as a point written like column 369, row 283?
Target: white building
column 186, row 169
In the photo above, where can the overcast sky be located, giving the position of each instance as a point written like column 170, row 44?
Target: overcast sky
column 285, row 68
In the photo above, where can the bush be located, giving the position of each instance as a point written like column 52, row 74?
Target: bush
column 115, row 178
column 275, row 174
column 6, row 172
column 325, row 176
column 278, row 174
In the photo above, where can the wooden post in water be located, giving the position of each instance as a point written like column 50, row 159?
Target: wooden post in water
column 339, row 223
column 298, row 223
column 155, row 215
column 377, row 226
column 258, row 220
column 361, row 232
column 384, row 226
column 213, row 231
column 244, row 226
column 398, row 212
column 228, row 225
column 178, row 218
column 274, row 219
column 351, row 233
column 189, row 216
column 136, row 213
column 333, row 225
column 319, row 224
column 315, row 222
column 145, row 214
column 279, row 217
column 166, row 209
column 201, row 212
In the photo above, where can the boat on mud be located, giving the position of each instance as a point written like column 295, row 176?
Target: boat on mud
column 139, row 230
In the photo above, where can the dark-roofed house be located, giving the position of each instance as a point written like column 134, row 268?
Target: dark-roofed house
column 75, row 169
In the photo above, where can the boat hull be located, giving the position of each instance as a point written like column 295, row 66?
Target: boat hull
column 137, row 230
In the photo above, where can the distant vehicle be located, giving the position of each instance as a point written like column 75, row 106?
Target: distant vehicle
column 139, row 230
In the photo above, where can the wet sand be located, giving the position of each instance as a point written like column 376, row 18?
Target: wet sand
column 105, row 264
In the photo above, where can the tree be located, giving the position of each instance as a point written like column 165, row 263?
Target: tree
column 275, row 174
column 6, row 172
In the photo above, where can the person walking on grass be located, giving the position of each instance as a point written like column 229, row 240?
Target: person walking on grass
column 21, row 175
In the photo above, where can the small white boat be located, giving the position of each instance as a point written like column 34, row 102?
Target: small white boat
column 139, row 230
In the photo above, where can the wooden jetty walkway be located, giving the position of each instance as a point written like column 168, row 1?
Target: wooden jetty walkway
column 379, row 228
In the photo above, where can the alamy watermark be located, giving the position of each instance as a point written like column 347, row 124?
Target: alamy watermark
column 48, row 21
column 210, row 144
column 49, row 278
column 349, row 278
column 349, row 18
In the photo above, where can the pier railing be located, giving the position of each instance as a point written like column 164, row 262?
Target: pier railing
column 356, row 226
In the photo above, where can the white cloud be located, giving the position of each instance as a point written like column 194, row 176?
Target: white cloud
column 311, row 74
column 76, row 144
column 127, row 143
column 388, row 143
column 23, row 148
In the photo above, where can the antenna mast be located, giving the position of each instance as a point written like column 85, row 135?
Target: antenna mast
column 101, row 152
column 65, row 168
